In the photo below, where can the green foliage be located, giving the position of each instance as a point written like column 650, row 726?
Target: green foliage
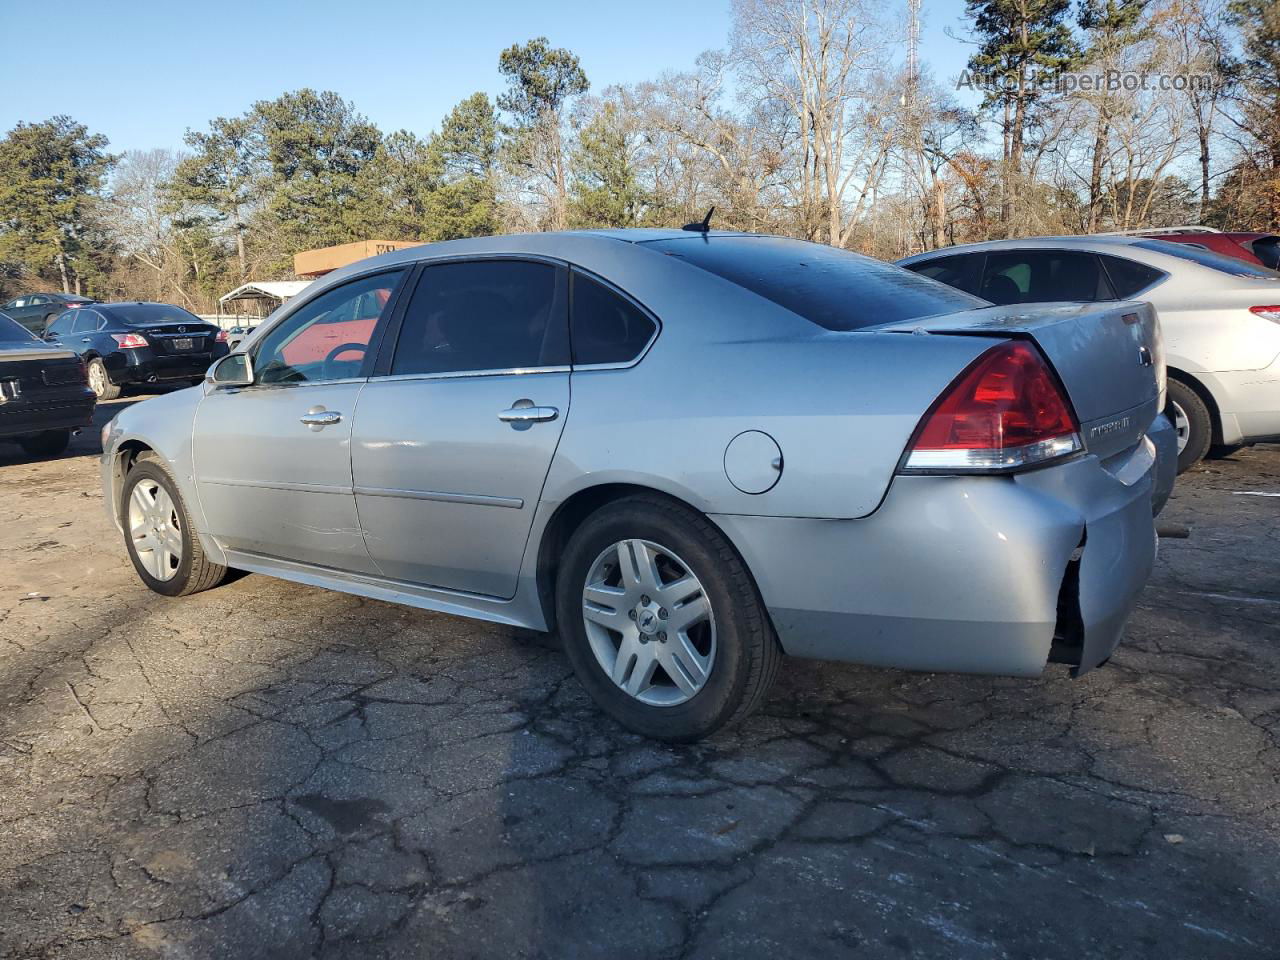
column 1017, row 38
column 50, row 176
column 606, row 190
column 540, row 80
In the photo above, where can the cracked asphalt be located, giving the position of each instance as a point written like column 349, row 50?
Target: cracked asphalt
column 277, row 771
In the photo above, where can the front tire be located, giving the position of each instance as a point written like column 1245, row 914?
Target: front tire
column 662, row 622
column 159, row 536
column 101, row 383
column 47, row 444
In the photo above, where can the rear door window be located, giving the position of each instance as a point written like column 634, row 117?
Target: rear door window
column 473, row 315
column 86, row 321
column 1128, row 277
column 606, row 327
column 1043, row 276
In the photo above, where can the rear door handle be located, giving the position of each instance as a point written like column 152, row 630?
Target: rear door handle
column 523, row 411
column 320, row 417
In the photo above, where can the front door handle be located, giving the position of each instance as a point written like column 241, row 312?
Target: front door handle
column 523, row 411
column 86, row 339
column 318, row 417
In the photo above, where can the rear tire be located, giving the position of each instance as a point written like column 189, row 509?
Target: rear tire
column 100, row 382
column 47, row 444
column 191, row 571
column 1191, row 419
column 741, row 653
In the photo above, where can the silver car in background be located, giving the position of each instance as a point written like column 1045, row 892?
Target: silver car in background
column 1220, row 317
column 687, row 452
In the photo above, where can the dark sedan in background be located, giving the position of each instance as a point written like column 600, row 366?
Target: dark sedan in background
column 36, row 311
column 44, row 392
column 133, row 343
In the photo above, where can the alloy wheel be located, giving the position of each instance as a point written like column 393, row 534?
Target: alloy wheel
column 649, row 622
column 1181, row 424
column 155, row 529
column 97, row 378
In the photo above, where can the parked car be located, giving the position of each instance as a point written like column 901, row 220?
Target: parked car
column 1220, row 318
column 36, row 311
column 237, row 335
column 691, row 452
column 44, row 392
column 1260, row 248
column 132, row 343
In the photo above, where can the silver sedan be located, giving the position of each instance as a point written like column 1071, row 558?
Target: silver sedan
column 687, row 452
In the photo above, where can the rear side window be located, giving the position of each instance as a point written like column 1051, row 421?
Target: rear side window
column 833, row 288
column 484, row 315
column 1128, row 277
column 957, row 271
column 86, row 321
column 1207, row 258
column 1043, row 276
column 605, row 327
column 1267, row 249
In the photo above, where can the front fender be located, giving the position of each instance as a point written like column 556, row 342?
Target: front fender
column 161, row 424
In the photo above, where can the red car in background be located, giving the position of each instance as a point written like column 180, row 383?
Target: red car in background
column 1259, row 248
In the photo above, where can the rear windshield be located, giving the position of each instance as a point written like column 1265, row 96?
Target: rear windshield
column 1207, row 258
column 11, row 331
column 142, row 314
column 833, row 288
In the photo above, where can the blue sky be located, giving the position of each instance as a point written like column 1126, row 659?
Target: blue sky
column 142, row 72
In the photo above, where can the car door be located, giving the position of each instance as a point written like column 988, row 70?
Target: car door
column 273, row 459
column 455, row 433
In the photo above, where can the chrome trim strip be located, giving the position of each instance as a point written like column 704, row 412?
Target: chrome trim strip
column 460, row 374
column 514, row 503
column 278, row 485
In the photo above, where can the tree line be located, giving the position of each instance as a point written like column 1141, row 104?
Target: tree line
column 809, row 123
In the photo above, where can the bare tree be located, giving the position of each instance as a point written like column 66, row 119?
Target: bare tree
column 823, row 62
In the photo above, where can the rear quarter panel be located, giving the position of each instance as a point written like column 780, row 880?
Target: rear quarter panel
column 841, row 406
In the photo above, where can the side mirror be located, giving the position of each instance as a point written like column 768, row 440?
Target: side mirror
column 233, row 370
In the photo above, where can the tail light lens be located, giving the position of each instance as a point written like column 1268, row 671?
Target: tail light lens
column 1004, row 412
column 129, row 341
column 1271, row 313
column 221, row 337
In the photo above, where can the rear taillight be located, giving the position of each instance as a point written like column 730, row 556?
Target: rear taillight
column 1271, row 313
column 129, row 341
column 221, row 337
column 1005, row 411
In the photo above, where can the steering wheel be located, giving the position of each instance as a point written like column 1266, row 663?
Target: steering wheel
column 342, row 348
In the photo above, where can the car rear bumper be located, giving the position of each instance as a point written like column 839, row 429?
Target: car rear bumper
column 143, row 366
column 1248, row 402
column 22, row 420
column 990, row 575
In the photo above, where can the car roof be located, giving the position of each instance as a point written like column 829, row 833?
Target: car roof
column 1087, row 242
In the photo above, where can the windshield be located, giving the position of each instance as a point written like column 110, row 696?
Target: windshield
column 11, row 331
column 143, row 314
column 1207, row 258
column 833, row 288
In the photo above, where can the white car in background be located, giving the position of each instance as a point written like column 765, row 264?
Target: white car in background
column 1220, row 318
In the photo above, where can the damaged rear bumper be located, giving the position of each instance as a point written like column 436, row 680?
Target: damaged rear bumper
column 966, row 574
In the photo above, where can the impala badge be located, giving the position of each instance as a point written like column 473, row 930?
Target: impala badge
column 1108, row 428
column 10, row 390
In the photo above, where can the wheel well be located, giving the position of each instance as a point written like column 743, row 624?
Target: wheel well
column 1215, row 418
column 568, row 517
column 127, row 455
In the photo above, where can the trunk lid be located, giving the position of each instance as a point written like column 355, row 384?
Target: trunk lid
column 178, row 338
column 1109, row 357
column 32, row 372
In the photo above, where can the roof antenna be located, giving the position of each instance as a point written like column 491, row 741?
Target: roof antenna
column 704, row 226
